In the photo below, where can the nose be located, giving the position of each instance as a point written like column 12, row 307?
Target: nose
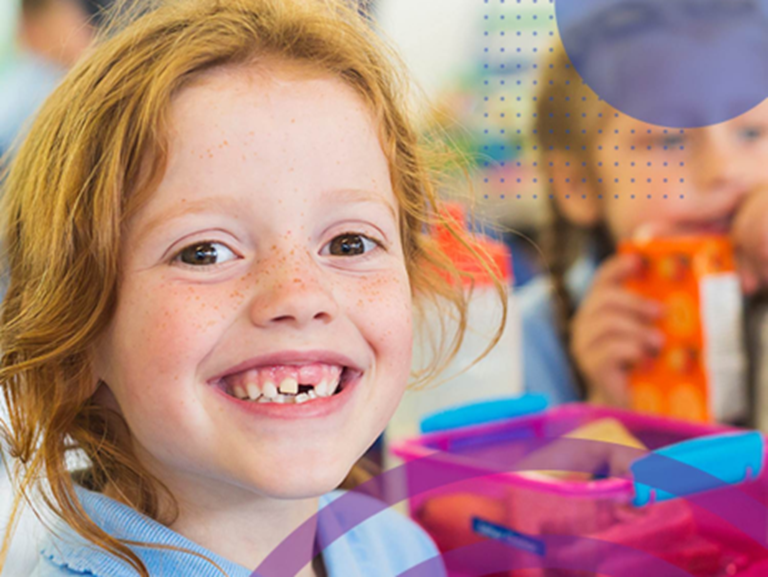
column 293, row 291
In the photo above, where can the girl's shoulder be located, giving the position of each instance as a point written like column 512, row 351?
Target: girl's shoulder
column 365, row 539
column 374, row 539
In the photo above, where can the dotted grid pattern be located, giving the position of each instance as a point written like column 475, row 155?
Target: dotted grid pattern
column 519, row 39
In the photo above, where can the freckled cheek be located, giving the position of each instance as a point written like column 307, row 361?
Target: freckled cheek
column 381, row 306
column 168, row 327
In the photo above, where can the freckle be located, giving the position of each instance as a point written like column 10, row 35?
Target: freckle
column 293, row 120
column 226, row 143
column 251, row 133
column 274, row 247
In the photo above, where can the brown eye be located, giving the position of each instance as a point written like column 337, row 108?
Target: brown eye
column 205, row 253
column 350, row 245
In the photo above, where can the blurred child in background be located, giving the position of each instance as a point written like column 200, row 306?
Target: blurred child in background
column 613, row 177
column 52, row 35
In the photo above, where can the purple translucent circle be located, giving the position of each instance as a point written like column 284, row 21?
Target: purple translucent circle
column 681, row 63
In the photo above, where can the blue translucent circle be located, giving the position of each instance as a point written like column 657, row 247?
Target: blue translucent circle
column 676, row 63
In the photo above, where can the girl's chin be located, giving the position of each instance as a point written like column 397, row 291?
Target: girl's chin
column 300, row 488
column 296, row 482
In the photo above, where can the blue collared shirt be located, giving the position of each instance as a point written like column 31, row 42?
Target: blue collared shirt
column 384, row 545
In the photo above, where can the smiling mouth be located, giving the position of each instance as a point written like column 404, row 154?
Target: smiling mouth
column 288, row 384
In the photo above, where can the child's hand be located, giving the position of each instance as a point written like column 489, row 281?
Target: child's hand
column 750, row 238
column 613, row 330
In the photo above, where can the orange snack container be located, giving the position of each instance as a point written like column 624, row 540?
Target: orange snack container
column 700, row 374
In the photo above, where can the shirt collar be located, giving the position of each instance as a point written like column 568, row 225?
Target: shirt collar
column 68, row 549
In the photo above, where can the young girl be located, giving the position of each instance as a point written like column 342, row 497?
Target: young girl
column 613, row 177
column 215, row 241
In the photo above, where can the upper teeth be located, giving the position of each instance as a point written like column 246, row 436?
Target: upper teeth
column 289, row 386
column 270, row 390
column 260, row 384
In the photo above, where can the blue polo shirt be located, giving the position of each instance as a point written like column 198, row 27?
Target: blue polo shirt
column 385, row 545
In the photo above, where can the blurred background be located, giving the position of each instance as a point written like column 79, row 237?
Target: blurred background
column 476, row 62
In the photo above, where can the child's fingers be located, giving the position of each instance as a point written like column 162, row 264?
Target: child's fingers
column 619, row 353
column 620, row 326
column 616, row 270
column 615, row 299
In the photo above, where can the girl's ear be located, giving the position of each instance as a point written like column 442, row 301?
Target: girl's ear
column 575, row 193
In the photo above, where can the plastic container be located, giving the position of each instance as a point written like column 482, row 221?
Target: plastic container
column 497, row 374
column 611, row 526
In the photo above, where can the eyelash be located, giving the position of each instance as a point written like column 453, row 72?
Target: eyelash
column 177, row 257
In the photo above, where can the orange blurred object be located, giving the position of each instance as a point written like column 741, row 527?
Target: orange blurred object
column 699, row 375
column 492, row 255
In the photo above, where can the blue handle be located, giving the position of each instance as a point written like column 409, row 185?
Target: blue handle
column 730, row 458
column 482, row 412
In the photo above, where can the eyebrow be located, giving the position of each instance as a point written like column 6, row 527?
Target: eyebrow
column 218, row 204
column 230, row 206
column 358, row 195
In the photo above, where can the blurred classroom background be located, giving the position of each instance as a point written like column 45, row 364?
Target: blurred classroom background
column 476, row 63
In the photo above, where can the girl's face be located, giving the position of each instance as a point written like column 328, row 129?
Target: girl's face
column 269, row 258
column 668, row 181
